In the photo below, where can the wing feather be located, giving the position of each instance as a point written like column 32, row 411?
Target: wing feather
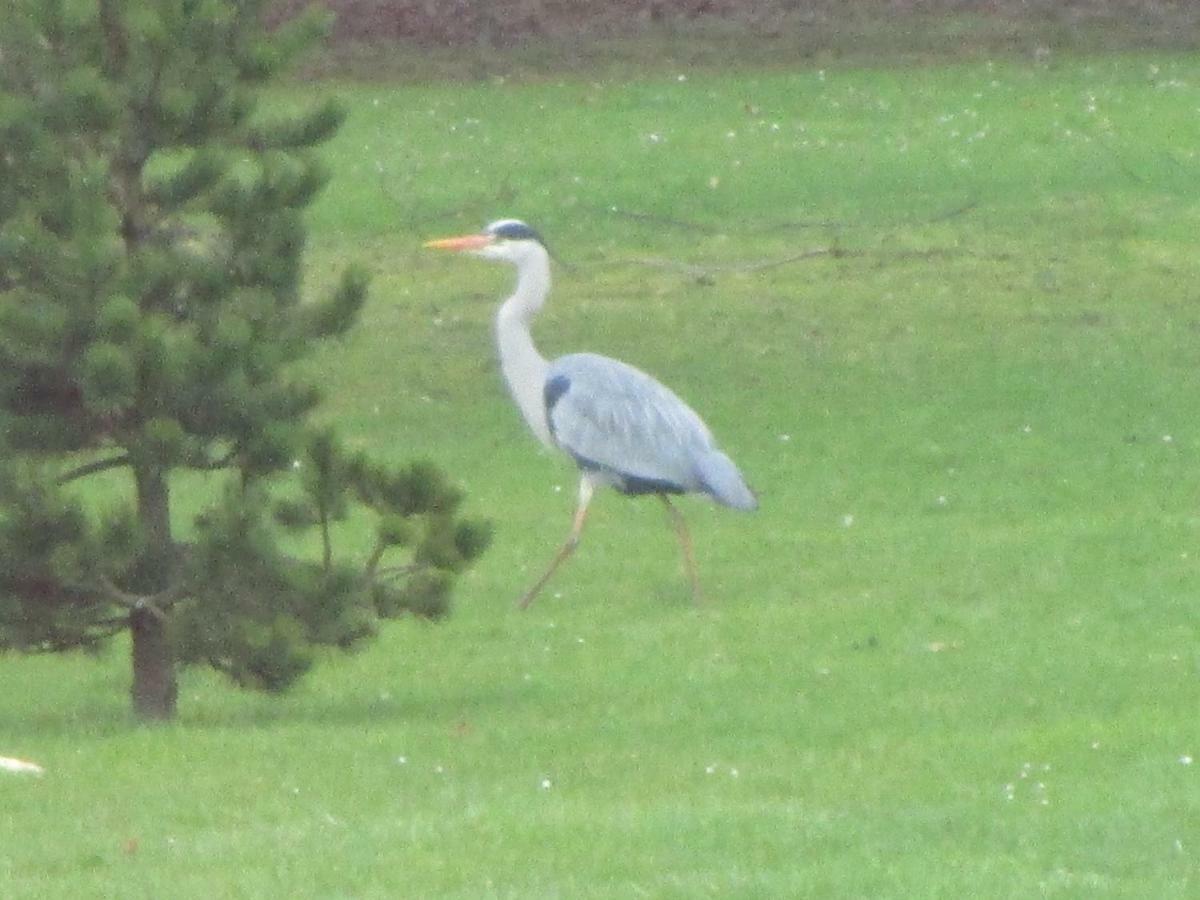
column 612, row 416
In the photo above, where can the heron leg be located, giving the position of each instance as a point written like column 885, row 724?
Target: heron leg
column 568, row 547
column 685, row 542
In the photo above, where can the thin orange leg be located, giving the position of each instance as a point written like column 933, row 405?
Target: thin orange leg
column 685, row 541
column 568, row 547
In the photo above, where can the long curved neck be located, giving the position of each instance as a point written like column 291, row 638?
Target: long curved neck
column 524, row 368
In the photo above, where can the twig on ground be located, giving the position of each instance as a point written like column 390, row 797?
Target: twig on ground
column 707, row 272
column 698, row 271
column 704, row 228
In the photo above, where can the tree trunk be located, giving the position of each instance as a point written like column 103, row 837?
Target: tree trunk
column 154, row 684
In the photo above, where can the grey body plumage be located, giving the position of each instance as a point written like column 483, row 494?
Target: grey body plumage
column 615, row 420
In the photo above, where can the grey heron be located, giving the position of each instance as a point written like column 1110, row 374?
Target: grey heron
column 622, row 428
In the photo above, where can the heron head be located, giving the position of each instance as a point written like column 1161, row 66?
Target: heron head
column 507, row 240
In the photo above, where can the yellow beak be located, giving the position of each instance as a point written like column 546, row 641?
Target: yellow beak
column 466, row 242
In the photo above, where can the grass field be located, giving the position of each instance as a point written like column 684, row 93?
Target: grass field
column 955, row 654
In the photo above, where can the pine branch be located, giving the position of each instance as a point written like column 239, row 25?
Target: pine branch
column 392, row 572
column 61, row 646
column 221, row 462
column 326, row 541
column 157, row 603
column 97, row 465
column 116, row 48
column 374, row 559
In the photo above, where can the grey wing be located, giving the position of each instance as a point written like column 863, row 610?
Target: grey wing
column 616, row 419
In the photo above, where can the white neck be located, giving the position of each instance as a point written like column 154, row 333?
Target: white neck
column 523, row 367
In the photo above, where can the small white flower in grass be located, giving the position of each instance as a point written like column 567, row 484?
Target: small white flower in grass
column 710, row 769
column 733, row 773
column 296, row 464
column 1028, row 429
column 847, row 520
column 401, row 760
column 545, row 784
column 941, row 500
column 1167, row 439
column 785, row 437
column 714, row 182
column 440, row 770
column 1185, row 760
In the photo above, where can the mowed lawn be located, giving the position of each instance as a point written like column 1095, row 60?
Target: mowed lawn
column 956, row 653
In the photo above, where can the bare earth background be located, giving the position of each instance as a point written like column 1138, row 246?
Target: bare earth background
column 499, row 23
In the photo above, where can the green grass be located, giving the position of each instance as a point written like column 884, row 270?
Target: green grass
column 954, row 654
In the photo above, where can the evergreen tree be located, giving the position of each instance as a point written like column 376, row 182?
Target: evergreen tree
column 151, row 316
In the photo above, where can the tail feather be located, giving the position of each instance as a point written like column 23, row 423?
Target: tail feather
column 724, row 483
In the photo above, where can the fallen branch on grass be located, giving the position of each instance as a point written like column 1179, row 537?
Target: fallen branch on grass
column 701, row 272
column 771, row 227
column 708, row 272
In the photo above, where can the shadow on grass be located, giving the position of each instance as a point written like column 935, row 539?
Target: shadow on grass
column 230, row 709
column 423, row 707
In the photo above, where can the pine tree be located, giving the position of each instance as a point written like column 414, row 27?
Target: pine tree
column 151, row 316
